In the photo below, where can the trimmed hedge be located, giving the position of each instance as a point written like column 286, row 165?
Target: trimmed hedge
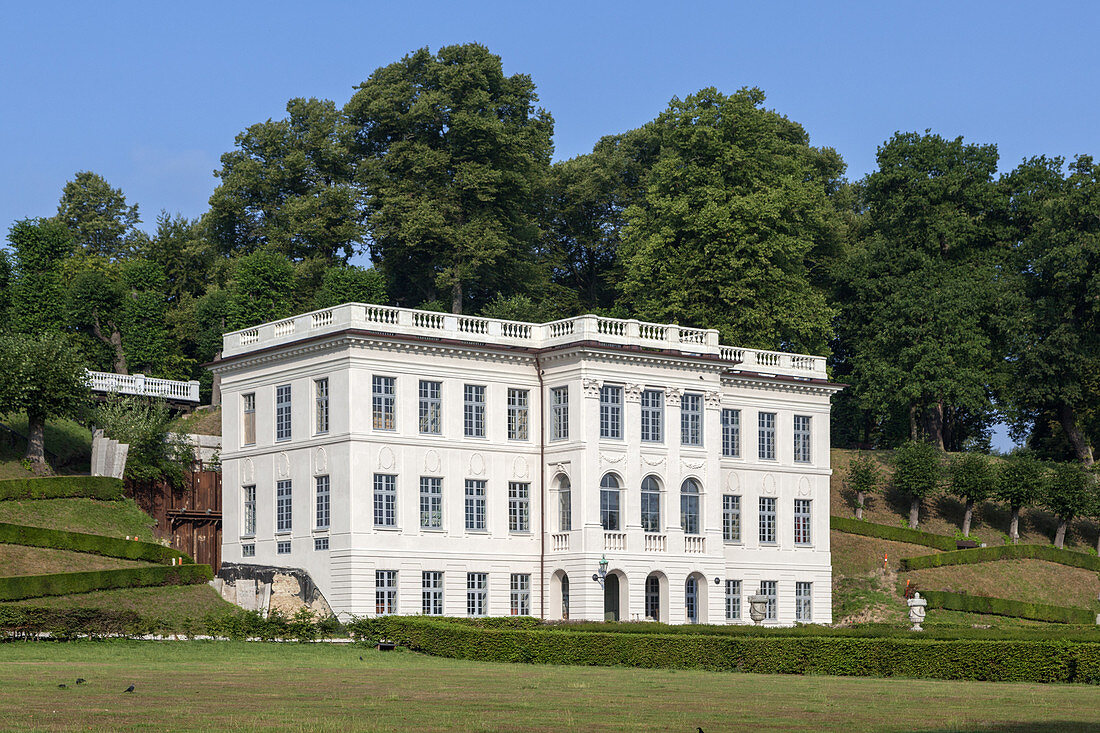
column 1005, row 607
column 68, row 623
column 1031, row 661
column 887, row 532
column 63, row 584
column 62, row 487
column 18, row 534
column 1049, row 553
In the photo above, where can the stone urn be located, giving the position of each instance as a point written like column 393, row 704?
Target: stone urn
column 917, row 606
column 758, row 608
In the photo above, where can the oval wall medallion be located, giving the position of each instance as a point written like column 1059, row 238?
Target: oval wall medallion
column 248, row 471
column 385, row 458
column 769, row 484
column 477, row 464
column 320, row 461
column 520, row 468
column 803, row 486
column 733, row 483
column 282, row 465
column 431, row 462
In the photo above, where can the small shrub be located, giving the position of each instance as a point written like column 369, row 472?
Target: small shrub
column 63, row 584
column 104, row 488
column 1003, row 552
column 17, row 534
column 887, row 532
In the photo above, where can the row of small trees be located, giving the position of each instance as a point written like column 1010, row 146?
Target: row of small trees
column 1069, row 489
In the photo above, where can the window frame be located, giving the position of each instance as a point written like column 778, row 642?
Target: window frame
column 769, row 518
column 691, row 420
column 474, row 505
column 653, row 416
column 803, row 602
column 565, row 504
column 385, row 592
column 477, row 594
column 519, row 507
column 731, row 519
column 473, row 410
column 519, row 596
column 734, row 596
column 611, row 412
column 691, row 505
column 559, row 413
column 385, row 500
column 803, row 522
column 323, row 501
column 429, row 407
column 431, row 502
column 731, row 432
column 770, row 589
column 765, row 435
column 606, row 511
column 519, row 413
column 650, row 494
column 248, row 418
column 321, row 406
column 431, row 592
column 802, row 436
column 248, row 511
column 284, row 506
column 284, row 416
column 383, row 401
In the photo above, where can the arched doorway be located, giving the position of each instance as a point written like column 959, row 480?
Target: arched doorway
column 653, row 598
column 565, row 596
column 611, row 597
column 691, row 599
column 557, row 600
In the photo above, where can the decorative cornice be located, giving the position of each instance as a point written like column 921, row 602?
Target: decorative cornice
column 781, row 384
column 633, row 392
column 591, row 387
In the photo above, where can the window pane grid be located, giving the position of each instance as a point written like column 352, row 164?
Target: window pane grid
column 767, row 520
column 324, row 502
column 431, row 584
column 733, row 600
column 770, row 588
column 282, row 412
column 651, row 505
column 611, row 412
column 653, row 415
column 383, row 398
column 385, row 592
column 283, row 506
column 517, row 414
column 249, row 524
column 477, row 594
column 385, row 500
column 520, row 596
column 731, row 433
column 248, row 414
column 766, row 427
column 431, row 502
column 473, row 410
column 691, row 419
column 431, row 407
column 321, row 397
column 609, row 503
column 689, row 507
column 559, row 413
column 565, row 506
column 803, row 609
column 801, row 439
column 802, row 521
column 731, row 518
column 475, row 504
column 519, row 504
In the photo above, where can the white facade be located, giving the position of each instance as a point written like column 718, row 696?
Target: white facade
column 405, row 470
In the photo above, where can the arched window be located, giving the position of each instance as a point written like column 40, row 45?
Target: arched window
column 565, row 596
column 609, row 503
column 691, row 599
column 653, row 597
column 565, row 505
column 689, row 506
column 651, row 505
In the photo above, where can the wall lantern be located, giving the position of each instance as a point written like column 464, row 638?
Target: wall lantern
column 599, row 577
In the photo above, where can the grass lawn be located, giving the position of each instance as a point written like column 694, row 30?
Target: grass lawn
column 68, row 446
column 239, row 686
column 200, row 422
column 1021, row 580
column 22, row 560
column 110, row 518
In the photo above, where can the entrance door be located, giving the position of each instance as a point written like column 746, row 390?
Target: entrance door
column 691, row 596
column 653, row 598
column 611, row 598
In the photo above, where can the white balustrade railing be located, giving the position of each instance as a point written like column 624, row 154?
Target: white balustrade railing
column 141, row 385
column 613, row 331
column 655, row 543
column 614, row 540
column 694, row 544
column 560, row 542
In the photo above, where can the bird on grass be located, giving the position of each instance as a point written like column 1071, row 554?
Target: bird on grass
column 129, row 689
column 80, row 680
column 63, row 686
column 360, row 659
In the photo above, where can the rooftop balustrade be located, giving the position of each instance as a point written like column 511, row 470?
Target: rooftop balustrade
column 141, row 385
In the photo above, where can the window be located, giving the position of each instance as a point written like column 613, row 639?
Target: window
column 766, row 425
column 431, row 502
column 473, row 410
column 609, row 503
column 248, row 523
column 385, row 500
column 767, row 520
column 248, row 419
column 689, row 506
column 653, row 598
column 323, row 502
column 282, row 507
column 521, row 594
column 731, row 518
column 731, row 433
column 691, row 599
column 385, row 591
column 559, row 413
column 611, row 412
column 431, row 407
column 733, row 600
column 248, row 550
column 282, row 413
column 320, row 543
column 477, row 594
column 320, row 388
column 653, row 416
column 519, row 505
column 517, row 414
column 691, row 419
column 475, row 504
column 651, row 505
column 383, row 392
column 770, row 589
column 565, row 596
column 282, row 548
column 431, row 584
column 803, row 610
column 802, row 521
column 565, row 505
column 801, row 439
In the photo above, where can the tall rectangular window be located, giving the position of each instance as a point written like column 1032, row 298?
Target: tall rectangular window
column 766, row 436
column 517, row 414
column 731, row 433
column 385, row 500
column 801, row 439
column 320, row 396
column 385, row 591
column 248, row 525
column 475, row 504
column 731, row 518
column 565, row 506
column 282, row 412
column 383, row 391
column 767, row 520
column 473, row 410
column 691, row 419
column 431, row 502
column 431, row 583
column 733, row 600
column 282, row 507
column 248, row 419
column 559, row 413
column 519, row 507
column 521, row 594
column 431, row 407
column 653, row 416
column 609, row 508
column 324, row 502
column 651, row 505
column 770, row 589
column 611, row 412
column 802, row 521
column 477, row 594
column 803, row 609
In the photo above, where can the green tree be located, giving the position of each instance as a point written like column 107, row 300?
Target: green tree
column 863, row 478
column 5, row 285
column 736, row 210
column 98, row 217
column 916, row 474
column 350, row 284
column 261, row 289
column 144, row 424
column 38, row 290
column 183, row 252
column 971, row 478
column 1070, row 490
column 288, row 187
column 1019, row 484
column 44, row 377
column 454, row 157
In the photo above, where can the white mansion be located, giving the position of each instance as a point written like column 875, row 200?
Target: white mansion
column 415, row 462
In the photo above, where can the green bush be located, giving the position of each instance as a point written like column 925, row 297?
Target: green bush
column 897, row 534
column 63, row 584
column 67, row 623
column 1033, row 661
column 62, row 487
column 1049, row 553
column 17, row 534
column 1006, row 607
column 302, row 626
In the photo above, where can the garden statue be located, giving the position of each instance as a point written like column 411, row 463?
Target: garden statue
column 758, row 608
column 917, row 607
